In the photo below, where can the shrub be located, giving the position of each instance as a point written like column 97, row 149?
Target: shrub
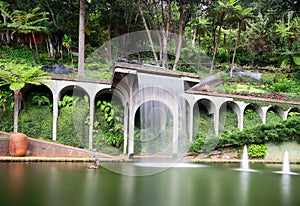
column 196, row 146
column 257, row 150
column 278, row 132
column 36, row 122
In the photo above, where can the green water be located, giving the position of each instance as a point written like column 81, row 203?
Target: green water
column 72, row 184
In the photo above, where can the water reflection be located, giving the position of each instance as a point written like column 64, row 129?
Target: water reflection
column 76, row 185
column 90, row 184
column 128, row 190
column 286, row 189
column 17, row 177
column 244, row 182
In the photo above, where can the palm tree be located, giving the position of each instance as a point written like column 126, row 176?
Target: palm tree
column 17, row 76
column 241, row 17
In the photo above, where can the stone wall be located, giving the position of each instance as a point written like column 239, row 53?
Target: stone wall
column 44, row 148
column 4, row 145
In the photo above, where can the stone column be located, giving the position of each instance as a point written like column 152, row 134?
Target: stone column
column 264, row 114
column 125, row 132
column 92, row 115
column 55, row 115
column 175, row 131
column 191, row 114
column 131, row 133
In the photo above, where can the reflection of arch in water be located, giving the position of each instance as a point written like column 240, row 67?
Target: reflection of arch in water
column 253, row 115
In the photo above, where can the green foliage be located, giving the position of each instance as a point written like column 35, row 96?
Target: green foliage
column 66, row 131
column 257, row 150
column 72, row 127
column 251, row 118
column 6, row 110
column 229, row 120
column 108, row 125
column 40, row 99
column 288, row 130
column 5, row 97
column 36, row 122
column 17, row 74
column 66, row 102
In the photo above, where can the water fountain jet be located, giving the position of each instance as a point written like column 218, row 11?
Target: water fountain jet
column 286, row 166
column 245, row 162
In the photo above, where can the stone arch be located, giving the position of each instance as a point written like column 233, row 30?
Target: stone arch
column 203, row 111
column 43, row 89
column 274, row 114
column 293, row 111
column 253, row 115
column 154, row 123
column 73, row 120
column 157, row 94
column 37, row 102
column 72, row 90
column 102, row 128
column 230, row 116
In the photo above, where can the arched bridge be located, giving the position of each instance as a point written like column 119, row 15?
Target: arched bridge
column 135, row 85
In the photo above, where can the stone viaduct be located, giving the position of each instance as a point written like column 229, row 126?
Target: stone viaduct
column 125, row 86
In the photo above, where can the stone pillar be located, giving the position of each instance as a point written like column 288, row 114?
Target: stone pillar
column 125, row 132
column 264, row 114
column 191, row 114
column 55, row 116
column 131, row 133
column 175, row 131
column 91, row 126
column 216, row 121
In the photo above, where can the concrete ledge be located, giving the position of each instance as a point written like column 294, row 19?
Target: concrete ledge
column 44, row 148
column 43, row 159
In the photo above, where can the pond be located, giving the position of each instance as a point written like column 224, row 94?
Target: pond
column 43, row 184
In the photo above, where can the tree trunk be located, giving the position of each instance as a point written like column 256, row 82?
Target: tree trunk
column 148, row 33
column 216, row 45
column 180, row 34
column 81, row 38
column 16, row 109
column 165, row 35
column 235, row 48
column 6, row 33
column 35, row 46
column 32, row 55
column 51, row 50
column 109, row 33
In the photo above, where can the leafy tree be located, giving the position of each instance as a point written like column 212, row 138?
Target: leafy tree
column 292, row 58
column 219, row 12
column 17, row 76
column 26, row 25
column 241, row 17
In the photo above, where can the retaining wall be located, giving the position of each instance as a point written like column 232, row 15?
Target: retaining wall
column 37, row 147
